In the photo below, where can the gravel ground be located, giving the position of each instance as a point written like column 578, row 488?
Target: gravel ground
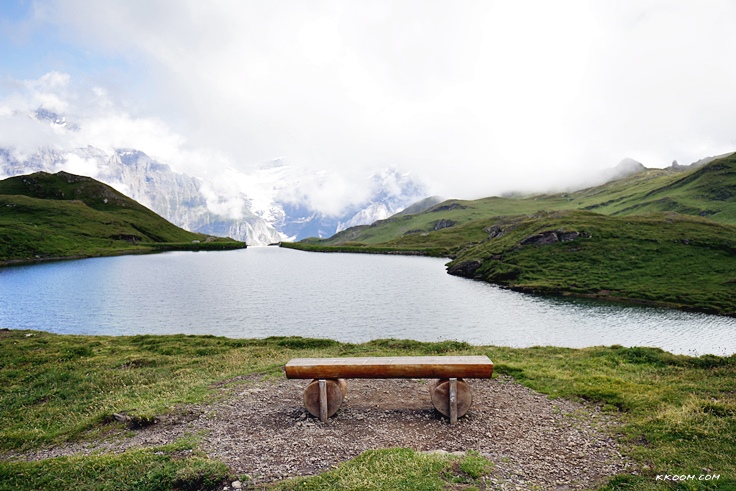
column 261, row 429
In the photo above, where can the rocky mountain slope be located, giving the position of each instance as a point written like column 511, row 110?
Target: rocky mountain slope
column 268, row 206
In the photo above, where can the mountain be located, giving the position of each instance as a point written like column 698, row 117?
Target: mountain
column 285, row 198
column 706, row 190
column 273, row 203
column 48, row 216
column 177, row 197
column 623, row 169
column 421, row 205
column 391, row 192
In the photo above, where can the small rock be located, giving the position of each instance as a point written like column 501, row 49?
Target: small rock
column 236, row 484
column 436, row 452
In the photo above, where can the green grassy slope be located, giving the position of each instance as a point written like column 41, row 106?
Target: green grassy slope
column 664, row 258
column 63, row 215
column 705, row 191
column 445, row 215
column 708, row 191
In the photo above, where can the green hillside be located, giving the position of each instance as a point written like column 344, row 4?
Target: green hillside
column 664, row 237
column 47, row 216
column 663, row 258
column 708, row 191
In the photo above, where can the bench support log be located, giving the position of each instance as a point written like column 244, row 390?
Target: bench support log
column 323, row 397
column 452, row 402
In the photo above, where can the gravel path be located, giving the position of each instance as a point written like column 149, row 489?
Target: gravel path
column 261, row 429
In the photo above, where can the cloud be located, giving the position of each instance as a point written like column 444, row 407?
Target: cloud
column 22, row 136
column 328, row 192
column 81, row 166
column 94, row 118
column 477, row 98
column 91, row 117
column 223, row 201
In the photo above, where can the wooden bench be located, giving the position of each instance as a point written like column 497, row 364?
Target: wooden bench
column 450, row 394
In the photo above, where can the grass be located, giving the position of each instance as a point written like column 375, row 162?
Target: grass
column 667, row 259
column 178, row 466
column 377, row 470
column 678, row 412
column 50, row 216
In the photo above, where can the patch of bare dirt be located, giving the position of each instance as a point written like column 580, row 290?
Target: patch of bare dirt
column 263, row 430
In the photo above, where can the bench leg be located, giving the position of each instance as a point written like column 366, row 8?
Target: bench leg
column 323, row 400
column 453, row 401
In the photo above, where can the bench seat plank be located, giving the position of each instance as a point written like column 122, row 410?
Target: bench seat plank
column 391, row 367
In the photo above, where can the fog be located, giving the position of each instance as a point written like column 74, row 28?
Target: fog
column 473, row 98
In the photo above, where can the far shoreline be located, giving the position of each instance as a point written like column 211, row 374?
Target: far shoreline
column 156, row 249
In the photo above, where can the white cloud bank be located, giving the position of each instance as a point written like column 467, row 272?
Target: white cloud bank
column 87, row 117
column 477, row 98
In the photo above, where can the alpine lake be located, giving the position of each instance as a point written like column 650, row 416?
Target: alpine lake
column 269, row 291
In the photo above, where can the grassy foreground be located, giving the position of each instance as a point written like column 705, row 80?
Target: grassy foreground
column 679, row 412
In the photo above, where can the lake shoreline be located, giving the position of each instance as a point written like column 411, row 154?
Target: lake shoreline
column 602, row 296
column 614, row 299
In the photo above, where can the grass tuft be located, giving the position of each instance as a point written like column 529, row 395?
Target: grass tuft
column 398, row 468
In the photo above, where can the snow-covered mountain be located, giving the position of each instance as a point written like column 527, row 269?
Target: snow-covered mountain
column 179, row 198
column 392, row 191
column 273, row 203
column 296, row 215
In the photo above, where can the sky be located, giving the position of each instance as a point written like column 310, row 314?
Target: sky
column 474, row 98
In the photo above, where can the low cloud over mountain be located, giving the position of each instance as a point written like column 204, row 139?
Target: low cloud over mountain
column 274, row 202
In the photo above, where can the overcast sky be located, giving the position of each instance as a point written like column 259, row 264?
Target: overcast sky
column 474, row 98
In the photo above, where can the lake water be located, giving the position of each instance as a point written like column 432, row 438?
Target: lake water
column 267, row 291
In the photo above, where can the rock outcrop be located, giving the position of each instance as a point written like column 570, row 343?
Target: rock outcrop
column 551, row 237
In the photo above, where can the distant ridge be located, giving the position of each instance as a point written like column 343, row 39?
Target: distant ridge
column 703, row 161
column 421, row 205
column 703, row 190
column 625, row 168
